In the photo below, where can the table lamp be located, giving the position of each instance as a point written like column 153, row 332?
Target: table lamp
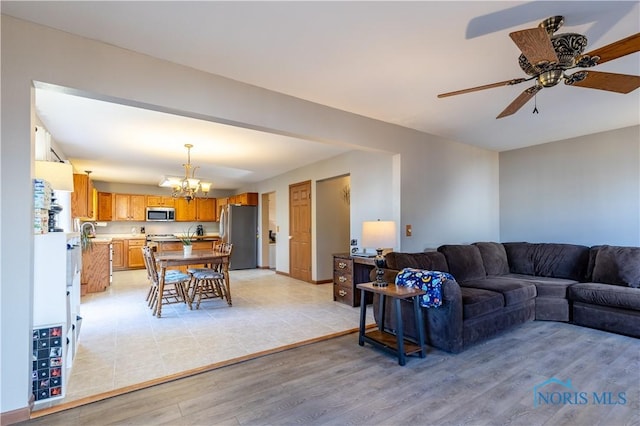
column 379, row 235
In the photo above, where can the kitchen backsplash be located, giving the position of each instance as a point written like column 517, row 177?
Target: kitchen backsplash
column 155, row 227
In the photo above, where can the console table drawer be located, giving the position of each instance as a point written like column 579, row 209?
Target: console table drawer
column 347, row 272
column 341, row 265
column 343, row 294
column 342, row 278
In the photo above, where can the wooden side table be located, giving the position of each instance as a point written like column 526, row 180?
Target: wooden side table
column 396, row 344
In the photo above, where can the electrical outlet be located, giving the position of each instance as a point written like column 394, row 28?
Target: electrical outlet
column 408, row 231
column 354, row 242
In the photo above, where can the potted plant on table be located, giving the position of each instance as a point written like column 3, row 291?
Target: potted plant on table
column 187, row 240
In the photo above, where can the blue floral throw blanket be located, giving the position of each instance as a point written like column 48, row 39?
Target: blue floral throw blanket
column 429, row 281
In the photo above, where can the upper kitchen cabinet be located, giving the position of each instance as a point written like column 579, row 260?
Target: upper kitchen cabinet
column 83, row 198
column 105, row 206
column 245, row 199
column 220, row 203
column 206, row 209
column 200, row 209
column 129, row 207
column 160, row 201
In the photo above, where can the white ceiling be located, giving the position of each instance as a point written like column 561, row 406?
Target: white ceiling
column 384, row 60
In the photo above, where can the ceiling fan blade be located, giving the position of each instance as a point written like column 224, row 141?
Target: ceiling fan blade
column 620, row 83
column 617, row 49
column 486, row 86
column 535, row 45
column 520, row 101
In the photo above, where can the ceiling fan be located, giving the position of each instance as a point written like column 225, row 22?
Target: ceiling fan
column 546, row 58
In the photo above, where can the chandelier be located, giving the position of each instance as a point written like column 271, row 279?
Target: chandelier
column 187, row 187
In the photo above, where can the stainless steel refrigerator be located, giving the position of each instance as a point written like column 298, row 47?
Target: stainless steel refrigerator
column 239, row 226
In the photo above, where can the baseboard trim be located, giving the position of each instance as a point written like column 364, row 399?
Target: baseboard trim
column 15, row 416
column 322, row 281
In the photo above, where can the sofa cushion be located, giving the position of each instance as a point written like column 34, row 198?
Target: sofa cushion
column 546, row 286
column 477, row 302
column 465, row 261
column 606, row 295
column 617, row 265
column 593, row 252
column 520, row 256
column 494, row 258
column 428, row 260
column 561, row 261
column 513, row 290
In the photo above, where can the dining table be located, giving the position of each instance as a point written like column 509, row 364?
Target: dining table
column 209, row 257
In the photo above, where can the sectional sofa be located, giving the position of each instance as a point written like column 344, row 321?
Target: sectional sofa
column 499, row 285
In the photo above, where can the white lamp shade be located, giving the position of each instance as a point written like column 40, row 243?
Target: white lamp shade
column 205, row 186
column 59, row 175
column 379, row 234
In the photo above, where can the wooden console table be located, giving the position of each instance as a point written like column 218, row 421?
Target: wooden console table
column 396, row 344
column 347, row 272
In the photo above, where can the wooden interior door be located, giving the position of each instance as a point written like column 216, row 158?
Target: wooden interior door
column 300, row 231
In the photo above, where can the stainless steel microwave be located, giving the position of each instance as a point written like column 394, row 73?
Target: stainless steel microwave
column 161, row 214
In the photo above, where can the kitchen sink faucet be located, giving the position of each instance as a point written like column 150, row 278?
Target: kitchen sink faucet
column 93, row 228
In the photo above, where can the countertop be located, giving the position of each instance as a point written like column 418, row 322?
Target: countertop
column 206, row 237
column 107, row 238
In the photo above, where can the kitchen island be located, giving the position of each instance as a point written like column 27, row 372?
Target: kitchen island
column 169, row 243
column 166, row 243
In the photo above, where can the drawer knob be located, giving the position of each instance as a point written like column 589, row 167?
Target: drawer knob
column 342, row 293
column 342, row 278
column 342, row 265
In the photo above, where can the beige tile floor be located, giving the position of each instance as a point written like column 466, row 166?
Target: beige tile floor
column 122, row 344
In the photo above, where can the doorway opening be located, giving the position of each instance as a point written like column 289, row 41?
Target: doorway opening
column 269, row 231
column 333, row 223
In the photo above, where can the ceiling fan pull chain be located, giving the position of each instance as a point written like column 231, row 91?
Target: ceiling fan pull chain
column 535, row 104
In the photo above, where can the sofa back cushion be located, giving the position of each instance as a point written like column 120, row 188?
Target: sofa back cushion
column 617, row 265
column 494, row 258
column 428, row 260
column 568, row 261
column 520, row 256
column 465, row 262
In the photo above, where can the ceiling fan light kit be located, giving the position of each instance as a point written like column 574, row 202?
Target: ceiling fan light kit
column 547, row 56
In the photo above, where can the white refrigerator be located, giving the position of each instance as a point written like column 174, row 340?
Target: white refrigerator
column 56, row 312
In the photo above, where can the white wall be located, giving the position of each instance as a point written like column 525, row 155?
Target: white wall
column 584, row 190
column 34, row 53
column 372, row 196
column 449, row 196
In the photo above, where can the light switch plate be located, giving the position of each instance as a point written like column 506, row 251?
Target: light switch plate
column 408, row 230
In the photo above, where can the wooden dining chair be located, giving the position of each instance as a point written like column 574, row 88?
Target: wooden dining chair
column 175, row 285
column 212, row 282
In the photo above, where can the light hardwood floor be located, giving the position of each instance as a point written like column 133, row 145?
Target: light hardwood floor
column 122, row 345
column 337, row 382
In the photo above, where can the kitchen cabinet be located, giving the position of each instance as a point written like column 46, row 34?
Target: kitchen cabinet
column 129, row 207
column 83, row 197
column 135, row 259
column 206, row 209
column 95, row 268
column 200, row 209
column 119, row 258
column 160, row 200
column 245, row 199
column 221, row 203
column 105, row 206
